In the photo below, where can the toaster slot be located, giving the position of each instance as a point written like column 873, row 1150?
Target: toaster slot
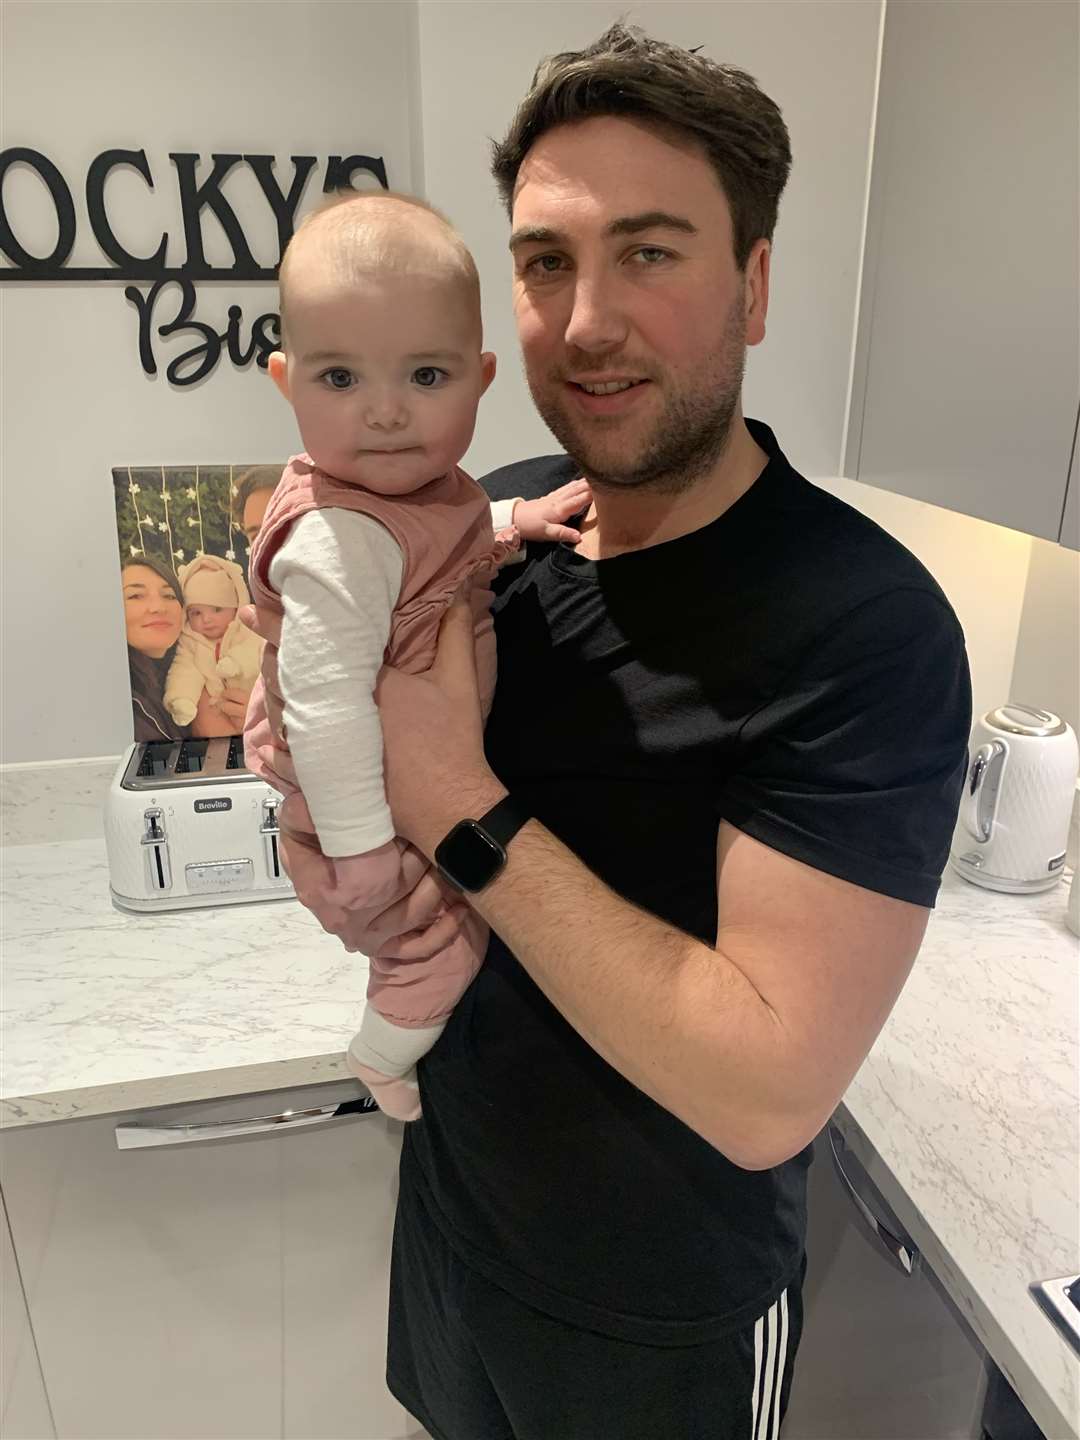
column 158, row 758
column 235, row 758
column 156, row 851
column 192, row 756
column 270, row 831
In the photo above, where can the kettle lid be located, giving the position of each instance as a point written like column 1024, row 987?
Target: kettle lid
column 1025, row 720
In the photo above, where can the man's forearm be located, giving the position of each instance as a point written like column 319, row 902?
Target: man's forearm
column 675, row 1017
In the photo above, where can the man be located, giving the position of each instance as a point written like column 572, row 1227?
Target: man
column 253, row 492
column 723, row 765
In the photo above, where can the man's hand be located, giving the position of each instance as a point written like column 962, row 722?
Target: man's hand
column 433, row 738
column 544, row 519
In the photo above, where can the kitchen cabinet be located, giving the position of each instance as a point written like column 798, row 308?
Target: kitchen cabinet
column 967, row 364
column 24, row 1408
column 884, row 1356
column 226, row 1287
column 1070, row 524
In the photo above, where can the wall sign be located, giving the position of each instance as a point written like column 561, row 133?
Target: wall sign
column 195, row 195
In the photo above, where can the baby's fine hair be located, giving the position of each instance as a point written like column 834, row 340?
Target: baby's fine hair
column 363, row 238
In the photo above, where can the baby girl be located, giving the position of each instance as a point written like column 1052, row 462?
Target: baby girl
column 367, row 538
column 215, row 648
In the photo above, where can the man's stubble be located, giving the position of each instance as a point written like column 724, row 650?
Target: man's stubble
column 685, row 441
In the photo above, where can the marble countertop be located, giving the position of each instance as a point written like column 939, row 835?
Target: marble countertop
column 102, row 1010
column 964, row 1114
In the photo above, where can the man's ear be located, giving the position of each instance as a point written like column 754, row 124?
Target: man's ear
column 487, row 369
column 757, row 291
column 278, row 367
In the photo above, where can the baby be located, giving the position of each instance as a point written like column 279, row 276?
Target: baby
column 215, row 648
column 367, row 538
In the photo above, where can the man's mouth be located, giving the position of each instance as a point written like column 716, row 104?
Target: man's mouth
column 605, row 387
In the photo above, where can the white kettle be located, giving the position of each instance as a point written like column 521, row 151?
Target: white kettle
column 1014, row 813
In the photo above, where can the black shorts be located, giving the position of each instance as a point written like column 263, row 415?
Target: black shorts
column 471, row 1362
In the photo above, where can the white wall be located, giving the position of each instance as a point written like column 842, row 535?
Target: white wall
column 1047, row 670
column 318, row 77
column 283, row 79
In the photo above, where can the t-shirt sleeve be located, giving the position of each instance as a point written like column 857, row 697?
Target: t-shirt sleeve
column 855, row 766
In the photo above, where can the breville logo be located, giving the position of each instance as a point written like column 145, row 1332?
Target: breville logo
column 202, row 806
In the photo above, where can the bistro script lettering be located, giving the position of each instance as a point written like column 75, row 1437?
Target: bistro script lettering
column 196, row 196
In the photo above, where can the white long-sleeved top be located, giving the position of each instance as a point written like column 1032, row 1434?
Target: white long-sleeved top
column 339, row 577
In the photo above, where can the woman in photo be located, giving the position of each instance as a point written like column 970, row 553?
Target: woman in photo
column 153, row 616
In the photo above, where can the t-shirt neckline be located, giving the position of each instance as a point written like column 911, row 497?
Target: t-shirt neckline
column 566, row 559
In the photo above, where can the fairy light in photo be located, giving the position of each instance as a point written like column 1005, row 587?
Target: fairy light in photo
column 140, row 520
column 165, row 526
column 230, row 553
column 195, row 493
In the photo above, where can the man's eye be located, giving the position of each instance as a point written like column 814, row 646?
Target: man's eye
column 539, row 264
column 428, row 376
column 651, row 254
column 338, row 379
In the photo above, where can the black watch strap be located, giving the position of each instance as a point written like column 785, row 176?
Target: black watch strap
column 503, row 821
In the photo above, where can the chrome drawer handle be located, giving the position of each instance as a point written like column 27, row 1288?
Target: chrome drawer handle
column 136, row 1137
column 901, row 1252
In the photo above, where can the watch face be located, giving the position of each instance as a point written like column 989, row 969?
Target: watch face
column 469, row 857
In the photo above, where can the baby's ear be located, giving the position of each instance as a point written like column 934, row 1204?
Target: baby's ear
column 487, row 369
column 278, row 366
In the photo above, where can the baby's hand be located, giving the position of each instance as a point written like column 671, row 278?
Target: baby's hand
column 543, row 519
column 371, row 879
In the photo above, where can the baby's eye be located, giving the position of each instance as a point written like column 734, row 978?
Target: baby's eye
column 428, row 376
column 338, row 378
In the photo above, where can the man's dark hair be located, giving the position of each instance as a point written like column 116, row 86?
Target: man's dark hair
column 680, row 94
column 256, row 477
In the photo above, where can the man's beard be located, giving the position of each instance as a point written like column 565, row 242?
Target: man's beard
column 687, row 439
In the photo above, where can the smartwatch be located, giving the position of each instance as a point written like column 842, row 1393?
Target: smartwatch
column 475, row 850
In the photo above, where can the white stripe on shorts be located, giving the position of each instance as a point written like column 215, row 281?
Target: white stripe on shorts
column 770, row 1358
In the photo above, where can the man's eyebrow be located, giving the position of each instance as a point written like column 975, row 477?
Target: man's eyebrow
column 624, row 225
column 651, row 220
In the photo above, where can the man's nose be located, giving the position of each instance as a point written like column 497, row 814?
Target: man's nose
column 385, row 409
column 597, row 321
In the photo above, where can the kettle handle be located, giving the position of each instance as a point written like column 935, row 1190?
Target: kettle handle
column 979, row 826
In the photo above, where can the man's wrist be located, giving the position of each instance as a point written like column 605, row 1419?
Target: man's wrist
column 470, row 802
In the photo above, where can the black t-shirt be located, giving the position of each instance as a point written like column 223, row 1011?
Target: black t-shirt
column 789, row 668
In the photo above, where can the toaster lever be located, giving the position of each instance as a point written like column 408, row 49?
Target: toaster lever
column 156, row 850
column 270, row 830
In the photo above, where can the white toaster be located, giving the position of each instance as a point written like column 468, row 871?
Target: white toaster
column 187, row 824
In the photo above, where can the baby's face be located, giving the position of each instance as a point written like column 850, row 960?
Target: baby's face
column 210, row 621
column 385, row 374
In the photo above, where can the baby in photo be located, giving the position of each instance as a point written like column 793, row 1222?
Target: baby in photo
column 366, row 540
column 215, row 649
